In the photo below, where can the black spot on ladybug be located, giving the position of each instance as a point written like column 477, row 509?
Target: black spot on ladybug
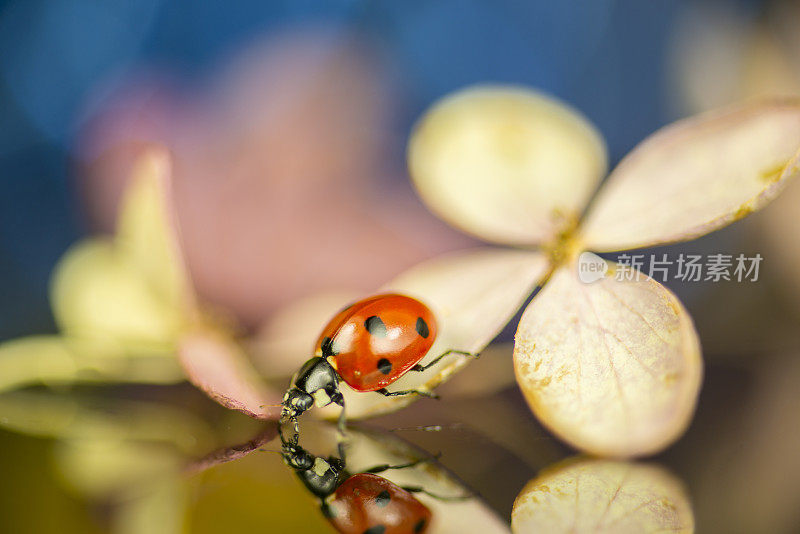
column 383, row 498
column 327, row 347
column 384, row 366
column 375, row 326
column 420, row 525
column 422, row 327
column 377, row 529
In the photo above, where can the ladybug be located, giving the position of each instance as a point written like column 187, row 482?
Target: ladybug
column 362, row 503
column 368, row 503
column 368, row 345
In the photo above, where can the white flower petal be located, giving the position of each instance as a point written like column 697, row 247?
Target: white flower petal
column 612, row 367
column 696, row 176
column 506, row 164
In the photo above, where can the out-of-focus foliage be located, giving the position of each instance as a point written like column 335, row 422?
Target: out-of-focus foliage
column 133, row 290
column 121, row 304
column 128, row 311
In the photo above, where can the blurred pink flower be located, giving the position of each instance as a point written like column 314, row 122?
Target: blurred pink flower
column 281, row 181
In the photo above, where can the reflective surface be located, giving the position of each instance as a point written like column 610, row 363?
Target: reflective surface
column 165, row 459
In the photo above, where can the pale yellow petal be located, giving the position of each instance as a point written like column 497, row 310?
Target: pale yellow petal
column 473, row 294
column 159, row 508
column 96, row 293
column 602, row 496
column 696, row 176
column 135, row 289
column 105, row 466
column 147, row 229
column 612, row 367
column 506, row 164
column 54, row 360
column 71, row 417
column 218, row 366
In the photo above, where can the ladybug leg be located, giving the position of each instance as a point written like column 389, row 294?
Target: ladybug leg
column 420, row 368
column 296, row 426
column 294, row 438
column 325, row 509
column 445, row 498
column 341, row 423
column 342, row 450
column 385, row 467
column 405, row 392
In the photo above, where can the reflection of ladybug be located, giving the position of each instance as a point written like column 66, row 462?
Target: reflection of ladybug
column 369, row 345
column 370, row 504
column 364, row 503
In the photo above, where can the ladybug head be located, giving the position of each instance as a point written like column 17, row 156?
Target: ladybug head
column 296, row 456
column 320, row 475
column 295, row 402
column 315, row 383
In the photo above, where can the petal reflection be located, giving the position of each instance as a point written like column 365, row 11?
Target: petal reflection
column 584, row 495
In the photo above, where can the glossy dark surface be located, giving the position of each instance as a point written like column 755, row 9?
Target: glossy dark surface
column 95, row 463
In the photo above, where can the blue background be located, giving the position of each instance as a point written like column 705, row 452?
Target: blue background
column 608, row 58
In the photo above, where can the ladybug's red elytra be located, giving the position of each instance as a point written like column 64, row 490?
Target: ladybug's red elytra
column 368, row 345
column 362, row 502
column 376, row 340
column 366, row 502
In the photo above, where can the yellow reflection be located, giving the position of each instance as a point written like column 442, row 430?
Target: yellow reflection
column 127, row 455
column 587, row 495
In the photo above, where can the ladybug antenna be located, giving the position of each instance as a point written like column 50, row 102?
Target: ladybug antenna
column 269, row 450
column 326, row 509
column 429, row 428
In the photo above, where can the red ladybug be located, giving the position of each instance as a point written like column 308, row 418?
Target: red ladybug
column 368, row 345
column 368, row 503
column 363, row 503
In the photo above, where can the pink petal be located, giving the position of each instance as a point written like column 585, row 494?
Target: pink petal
column 219, row 368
